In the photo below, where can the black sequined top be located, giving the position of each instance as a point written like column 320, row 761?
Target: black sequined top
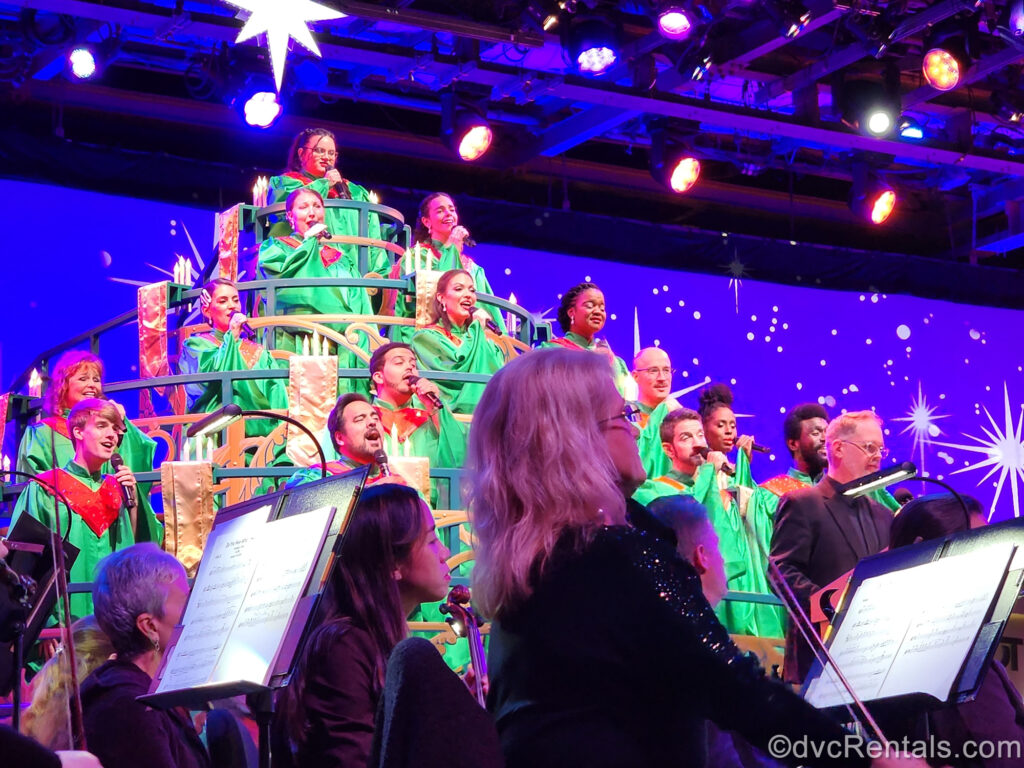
column 616, row 660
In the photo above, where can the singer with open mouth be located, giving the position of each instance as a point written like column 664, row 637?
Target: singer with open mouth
column 305, row 253
column 457, row 340
column 229, row 346
column 440, row 244
column 104, row 515
column 47, row 444
column 313, row 161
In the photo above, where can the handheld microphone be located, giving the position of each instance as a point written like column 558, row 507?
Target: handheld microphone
column 244, row 327
column 430, row 397
column 760, row 448
column 340, row 187
column 317, row 230
column 381, row 460
column 127, row 492
column 703, row 450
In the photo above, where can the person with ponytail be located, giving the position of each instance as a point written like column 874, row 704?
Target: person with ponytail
column 390, row 561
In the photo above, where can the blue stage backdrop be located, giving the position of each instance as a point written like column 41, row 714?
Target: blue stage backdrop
column 946, row 378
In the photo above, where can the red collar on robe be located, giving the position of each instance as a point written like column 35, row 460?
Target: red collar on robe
column 306, row 179
column 58, row 424
column 98, row 509
column 404, row 420
column 328, row 255
column 783, row 484
column 568, row 343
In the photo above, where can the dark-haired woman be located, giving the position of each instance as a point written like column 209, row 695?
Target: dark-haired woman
column 582, row 316
column 221, row 349
column 439, row 244
column 996, row 716
column 749, row 506
column 390, row 561
column 457, row 341
column 313, row 164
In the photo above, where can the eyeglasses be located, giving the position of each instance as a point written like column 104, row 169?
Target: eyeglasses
column 630, row 413
column 869, row 449
column 654, row 371
column 321, row 152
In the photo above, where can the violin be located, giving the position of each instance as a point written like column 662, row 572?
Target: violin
column 466, row 624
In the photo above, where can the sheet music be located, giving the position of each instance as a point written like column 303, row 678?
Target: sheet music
column 252, row 575
column 911, row 630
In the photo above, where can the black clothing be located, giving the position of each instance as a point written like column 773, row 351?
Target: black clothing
column 23, row 752
column 125, row 733
column 820, row 535
column 616, row 659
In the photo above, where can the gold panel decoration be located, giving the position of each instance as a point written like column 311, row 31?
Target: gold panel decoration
column 226, row 234
column 312, row 393
column 415, row 470
column 187, row 489
column 426, row 289
column 153, row 331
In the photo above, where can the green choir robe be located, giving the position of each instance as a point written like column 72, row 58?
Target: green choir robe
column 99, row 490
column 620, row 372
column 442, row 258
column 653, row 456
column 339, row 466
column 458, row 350
column 218, row 352
column 339, row 221
column 137, row 449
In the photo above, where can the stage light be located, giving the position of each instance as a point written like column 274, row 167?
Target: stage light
column 941, row 69
column 1009, row 105
column 871, row 198
column 592, row 43
column 82, row 62
column 464, row 129
column 262, row 109
column 911, row 129
column 790, row 16
column 674, row 21
column 869, row 107
column 672, row 162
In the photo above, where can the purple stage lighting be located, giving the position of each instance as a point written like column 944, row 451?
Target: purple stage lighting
column 82, row 62
column 674, row 22
column 262, row 109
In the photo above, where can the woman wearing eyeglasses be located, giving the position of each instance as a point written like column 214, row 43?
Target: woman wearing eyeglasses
column 313, row 164
column 604, row 651
column 582, row 316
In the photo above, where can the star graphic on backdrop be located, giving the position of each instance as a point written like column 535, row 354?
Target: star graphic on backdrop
column 921, row 418
column 281, row 21
column 1003, row 450
column 736, row 270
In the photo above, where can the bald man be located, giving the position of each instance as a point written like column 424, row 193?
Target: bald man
column 652, row 371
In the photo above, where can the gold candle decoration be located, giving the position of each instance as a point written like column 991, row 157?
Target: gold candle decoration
column 374, row 197
column 35, row 384
column 305, row 346
column 185, row 450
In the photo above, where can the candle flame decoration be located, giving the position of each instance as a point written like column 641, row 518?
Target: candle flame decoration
column 511, row 320
column 260, row 191
column 374, row 197
column 35, row 384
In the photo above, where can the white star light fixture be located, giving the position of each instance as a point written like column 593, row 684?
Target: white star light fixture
column 281, row 21
column 921, row 418
column 1003, row 451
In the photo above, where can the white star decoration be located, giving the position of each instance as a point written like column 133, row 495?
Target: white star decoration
column 283, row 20
column 922, row 420
column 1004, row 452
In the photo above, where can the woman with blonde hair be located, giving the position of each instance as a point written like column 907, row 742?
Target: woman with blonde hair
column 47, row 718
column 604, row 651
column 457, row 340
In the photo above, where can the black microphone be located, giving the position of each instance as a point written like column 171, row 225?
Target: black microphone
column 127, row 492
column 340, row 187
column 430, row 397
column 760, row 448
column 489, row 324
column 244, row 327
column 703, row 450
column 381, row 459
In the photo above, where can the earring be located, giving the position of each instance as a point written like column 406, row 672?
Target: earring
column 156, row 643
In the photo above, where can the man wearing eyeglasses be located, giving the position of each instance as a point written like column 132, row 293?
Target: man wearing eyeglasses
column 819, row 533
column 652, row 371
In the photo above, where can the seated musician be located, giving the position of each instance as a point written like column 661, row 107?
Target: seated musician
column 390, row 561
column 100, row 522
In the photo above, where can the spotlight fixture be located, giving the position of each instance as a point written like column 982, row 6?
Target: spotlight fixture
column 910, row 128
column 790, row 16
column 82, row 62
column 257, row 101
column 870, row 197
column 947, row 53
column 1009, row 105
column 592, row 43
column 869, row 107
column 675, row 21
column 673, row 163
column 464, row 129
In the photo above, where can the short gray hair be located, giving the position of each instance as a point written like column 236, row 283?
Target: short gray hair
column 130, row 582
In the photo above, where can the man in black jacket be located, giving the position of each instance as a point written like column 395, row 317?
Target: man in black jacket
column 819, row 533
